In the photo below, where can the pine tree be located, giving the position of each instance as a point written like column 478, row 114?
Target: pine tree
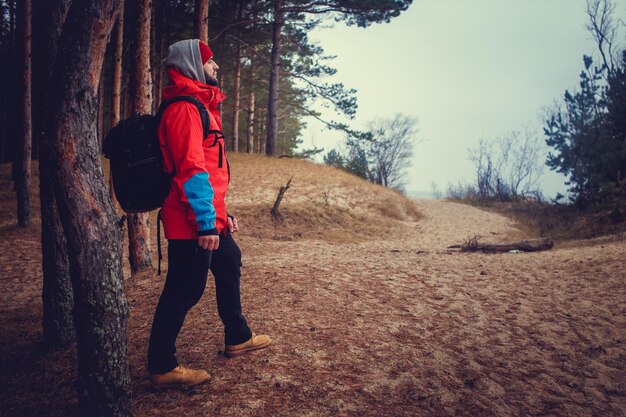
column 141, row 84
column 89, row 220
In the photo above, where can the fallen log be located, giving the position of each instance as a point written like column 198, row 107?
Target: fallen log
column 530, row 245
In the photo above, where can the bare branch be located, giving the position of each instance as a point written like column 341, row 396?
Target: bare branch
column 603, row 28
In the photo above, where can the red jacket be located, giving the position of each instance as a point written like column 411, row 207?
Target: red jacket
column 195, row 204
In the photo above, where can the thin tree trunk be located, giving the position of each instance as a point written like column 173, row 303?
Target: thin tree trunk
column 57, row 294
column 141, row 78
column 3, row 103
column 261, row 122
column 24, row 213
column 272, row 105
column 12, row 92
column 153, row 46
column 160, row 35
column 140, row 253
column 117, row 81
column 237, row 86
column 250, row 121
column 93, row 230
column 117, row 69
column 201, row 21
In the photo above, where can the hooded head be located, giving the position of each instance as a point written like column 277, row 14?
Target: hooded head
column 189, row 57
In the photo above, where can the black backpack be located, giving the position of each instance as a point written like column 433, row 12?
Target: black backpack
column 132, row 146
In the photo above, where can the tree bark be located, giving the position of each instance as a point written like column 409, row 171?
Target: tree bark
column 201, row 21
column 92, row 228
column 57, row 295
column 272, row 105
column 140, row 253
column 24, row 213
column 250, row 121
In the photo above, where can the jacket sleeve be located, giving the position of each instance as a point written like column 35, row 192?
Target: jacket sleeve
column 182, row 129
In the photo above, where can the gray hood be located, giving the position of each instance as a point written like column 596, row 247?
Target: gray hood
column 185, row 57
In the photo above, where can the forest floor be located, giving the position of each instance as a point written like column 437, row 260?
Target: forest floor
column 369, row 311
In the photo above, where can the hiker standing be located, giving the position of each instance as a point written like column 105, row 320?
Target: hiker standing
column 198, row 229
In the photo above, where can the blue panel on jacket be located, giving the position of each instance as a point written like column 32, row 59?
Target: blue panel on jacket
column 200, row 196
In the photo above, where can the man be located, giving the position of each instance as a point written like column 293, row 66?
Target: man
column 198, row 229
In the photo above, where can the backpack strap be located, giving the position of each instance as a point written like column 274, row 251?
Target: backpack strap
column 159, row 240
column 204, row 113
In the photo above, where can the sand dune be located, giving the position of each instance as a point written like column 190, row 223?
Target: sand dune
column 388, row 322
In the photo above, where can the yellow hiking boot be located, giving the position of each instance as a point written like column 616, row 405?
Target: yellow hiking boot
column 255, row 343
column 179, row 377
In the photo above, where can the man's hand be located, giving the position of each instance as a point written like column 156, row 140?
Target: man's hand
column 233, row 224
column 210, row 242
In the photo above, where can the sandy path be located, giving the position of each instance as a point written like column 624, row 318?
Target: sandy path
column 447, row 223
column 404, row 327
column 398, row 326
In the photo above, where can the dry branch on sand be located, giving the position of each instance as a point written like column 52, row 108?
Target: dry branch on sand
column 530, row 245
column 281, row 193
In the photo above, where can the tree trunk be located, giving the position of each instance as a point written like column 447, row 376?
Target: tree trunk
column 237, row 86
column 24, row 214
column 272, row 105
column 57, row 296
column 250, row 121
column 160, row 34
column 92, row 228
column 140, row 253
column 153, row 46
column 3, row 109
column 261, row 122
column 11, row 92
column 117, row 69
column 201, row 21
column 117, row 81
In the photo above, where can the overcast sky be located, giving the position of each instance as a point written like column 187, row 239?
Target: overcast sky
column 466, row 69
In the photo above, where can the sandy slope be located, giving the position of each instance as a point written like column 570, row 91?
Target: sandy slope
column 394, row 325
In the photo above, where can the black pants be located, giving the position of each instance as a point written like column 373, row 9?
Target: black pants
column 188, row 267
